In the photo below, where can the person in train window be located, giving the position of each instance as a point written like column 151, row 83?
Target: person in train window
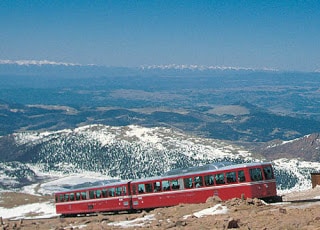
column 157, row 186
column 141, row 188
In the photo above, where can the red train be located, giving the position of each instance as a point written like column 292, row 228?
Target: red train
column 193, row 185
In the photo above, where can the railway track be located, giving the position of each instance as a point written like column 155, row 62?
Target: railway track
column 304, row 200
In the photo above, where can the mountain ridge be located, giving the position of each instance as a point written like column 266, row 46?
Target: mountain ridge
column 141, row 67
column 58, row 108
column 305, row 148
column 240, row 122
column 129, row 152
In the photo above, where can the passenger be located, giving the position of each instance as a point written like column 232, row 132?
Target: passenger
column 157, row 186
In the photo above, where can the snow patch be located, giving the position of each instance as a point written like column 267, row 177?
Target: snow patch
column 29, row 211
column 138, row 222
column 300, row 169
column 32, row 137
column 218, row 209
column 146, row 135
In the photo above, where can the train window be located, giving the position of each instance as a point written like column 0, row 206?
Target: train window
column 209, row 180
column 188, row 182
column 255, row 174
column 241, row 176
column 118, row 191
column 141, row 188
column 91, row 194
column 104, row 192
column 175, row 185
column 111, row 192
column 61, row 198
column 66, row 197
column 198, row 181
column 231, row 177
column 148, row 188
column 78, row 196
column 98, row 194
column 220, row 179
column 157, row 186
column 83, row 195
column 267, row 171
column 71, row 196
column 165, row 185
column 124, row 190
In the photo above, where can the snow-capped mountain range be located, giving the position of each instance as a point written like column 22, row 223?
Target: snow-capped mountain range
column 126, row 152
column 203, row 67
column 36, row 62
column 214, row 108
column 142, row 67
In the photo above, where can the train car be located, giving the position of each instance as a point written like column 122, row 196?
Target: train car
column 254, row 180
column 108, row 198
column 192, row 185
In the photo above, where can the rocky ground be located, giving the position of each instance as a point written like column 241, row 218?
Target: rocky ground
column 235, row 213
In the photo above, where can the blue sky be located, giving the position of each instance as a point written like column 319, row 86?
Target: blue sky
column 276, row 34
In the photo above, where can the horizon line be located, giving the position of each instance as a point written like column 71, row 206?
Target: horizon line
column 30, row 62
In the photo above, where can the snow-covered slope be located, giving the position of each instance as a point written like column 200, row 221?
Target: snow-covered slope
column 127, row 152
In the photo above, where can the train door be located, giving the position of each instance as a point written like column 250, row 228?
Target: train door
column 143, row 195
column 259, row 188
column 269, row 184
column 134, row 196
column 124, row 200
column 129, row 195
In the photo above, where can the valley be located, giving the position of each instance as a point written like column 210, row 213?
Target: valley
column 56, row 121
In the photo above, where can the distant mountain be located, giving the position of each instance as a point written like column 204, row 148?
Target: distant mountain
column 201, row 68
column 153, row 118
column 125, row 152
column 98, row 147
column 241, row 122
column 144, row 67
column 60, row 70
column 185, row 87
column 306, row 148
column 35, row 64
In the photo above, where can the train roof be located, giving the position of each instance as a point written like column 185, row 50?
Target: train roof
column 116, row 183
column 213, row 167
column 206, row 167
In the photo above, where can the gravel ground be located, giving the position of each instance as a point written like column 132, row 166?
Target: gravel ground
column 234, row 213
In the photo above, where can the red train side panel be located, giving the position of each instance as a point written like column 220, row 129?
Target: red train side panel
column 114, row 197
column 255, row 180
